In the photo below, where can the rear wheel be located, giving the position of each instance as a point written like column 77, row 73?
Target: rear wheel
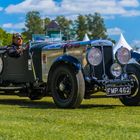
column 67, row 87
column 134, row 98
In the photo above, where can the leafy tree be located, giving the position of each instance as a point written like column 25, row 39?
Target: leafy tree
column 33, row 24
column 96, row 26
column 81, row 27
column 112, row 40
column 46, row 22
column 5, row 38
column 1, row 36
column 65, row 26
column 72, row 31
column 92, row 24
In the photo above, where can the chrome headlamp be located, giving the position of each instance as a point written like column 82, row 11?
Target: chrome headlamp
column 116, row 70
column 123, row 55
column 94, row 56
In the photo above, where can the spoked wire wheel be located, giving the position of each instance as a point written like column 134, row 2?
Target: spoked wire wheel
column 67, row 87
column 134, row 98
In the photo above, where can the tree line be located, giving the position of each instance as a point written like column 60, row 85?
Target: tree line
column 92, row 24
column 5, row 37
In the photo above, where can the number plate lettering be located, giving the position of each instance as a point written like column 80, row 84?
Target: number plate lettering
column 125, row 90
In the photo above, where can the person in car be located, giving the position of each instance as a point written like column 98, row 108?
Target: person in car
column 15, row 49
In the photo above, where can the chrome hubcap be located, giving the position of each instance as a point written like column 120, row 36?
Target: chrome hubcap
column 61, row 86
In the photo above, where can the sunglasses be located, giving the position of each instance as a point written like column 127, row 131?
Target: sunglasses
column 17, row 36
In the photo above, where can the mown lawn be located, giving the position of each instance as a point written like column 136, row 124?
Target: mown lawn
column 96, row 119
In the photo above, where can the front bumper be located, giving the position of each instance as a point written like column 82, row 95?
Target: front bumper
column 118, row 87
column 113, row 87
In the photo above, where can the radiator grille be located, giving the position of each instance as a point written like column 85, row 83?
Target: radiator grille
column 108, row 59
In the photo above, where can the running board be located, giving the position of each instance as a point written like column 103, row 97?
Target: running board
column 10, row 88
column 10, row 94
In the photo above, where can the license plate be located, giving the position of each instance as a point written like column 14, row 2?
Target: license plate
column 114, row 91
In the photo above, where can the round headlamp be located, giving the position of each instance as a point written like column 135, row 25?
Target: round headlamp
column 94, row 56
column 123, row 55
column 116, row 70
column 1, row 64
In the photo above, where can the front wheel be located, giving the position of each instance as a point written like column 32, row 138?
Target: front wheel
column 67, row 87
column 134, row 98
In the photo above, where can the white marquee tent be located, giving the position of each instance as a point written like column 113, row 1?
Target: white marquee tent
column 120, row 43
column 86, row 38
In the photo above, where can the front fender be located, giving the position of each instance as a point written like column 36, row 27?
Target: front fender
column 132, row 64
column 64, row 60
column 136, row 56
column 68, row 60
column 133, row 61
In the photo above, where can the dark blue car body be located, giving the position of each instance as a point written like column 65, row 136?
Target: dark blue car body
column 62, row 70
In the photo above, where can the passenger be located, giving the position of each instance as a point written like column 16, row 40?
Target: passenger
column 16, row 49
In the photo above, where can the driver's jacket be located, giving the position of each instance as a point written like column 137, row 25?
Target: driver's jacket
column 12, row 50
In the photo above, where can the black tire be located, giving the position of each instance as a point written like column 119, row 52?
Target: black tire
column 134, row 98
column 34, row 95
column 67, row 87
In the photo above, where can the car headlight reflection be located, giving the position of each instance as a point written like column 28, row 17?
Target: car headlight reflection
column 116, row 70
column 94, row 56
column 123, row 55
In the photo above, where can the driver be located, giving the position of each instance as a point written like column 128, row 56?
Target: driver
column 15, row 49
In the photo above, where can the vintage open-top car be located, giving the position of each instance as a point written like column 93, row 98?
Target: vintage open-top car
column 70, row 72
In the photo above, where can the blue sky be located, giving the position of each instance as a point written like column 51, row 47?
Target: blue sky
column 121, row 16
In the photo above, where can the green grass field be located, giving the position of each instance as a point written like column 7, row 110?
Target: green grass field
column 96, row 119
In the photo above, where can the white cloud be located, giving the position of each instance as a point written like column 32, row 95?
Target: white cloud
column 1, row 8
column 13, row 31
column 13, row 26
column 132, row 13
column 114, row 31
column 109, row 17
column 7, row 25
column 129, row 3
column 30, row 5
column 136, row 43
column 73, row 7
